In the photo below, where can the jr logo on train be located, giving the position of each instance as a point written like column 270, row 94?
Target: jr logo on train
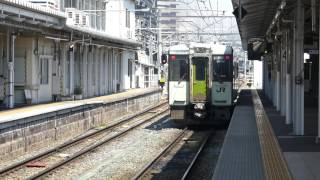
column 202, row 80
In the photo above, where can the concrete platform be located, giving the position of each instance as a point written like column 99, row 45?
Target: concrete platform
column 34, row 110
column 30, row 128
column 301, row 153
column 250, row 150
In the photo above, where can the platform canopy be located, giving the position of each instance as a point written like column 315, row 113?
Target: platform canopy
column 257, row 20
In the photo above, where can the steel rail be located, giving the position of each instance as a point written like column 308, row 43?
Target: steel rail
column 195, row 158
column 166, row 149
column 17, row 165
column 90, row 148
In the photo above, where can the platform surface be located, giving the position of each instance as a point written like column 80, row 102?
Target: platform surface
column 28, row 111
column 302, row 153
column 240, row 157
column 250, row 150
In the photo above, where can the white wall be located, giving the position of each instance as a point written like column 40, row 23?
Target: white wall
column 116, row 18
column 126, row 56
column 258, row 75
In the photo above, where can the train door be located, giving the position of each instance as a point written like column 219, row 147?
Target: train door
column 199, row 79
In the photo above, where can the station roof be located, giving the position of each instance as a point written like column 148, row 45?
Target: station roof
column 255, row 24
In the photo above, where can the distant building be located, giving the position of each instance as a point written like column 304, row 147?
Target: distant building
column 147, row 62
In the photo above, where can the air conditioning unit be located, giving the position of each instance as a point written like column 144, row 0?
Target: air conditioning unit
column 85, row 20
column 77, row 17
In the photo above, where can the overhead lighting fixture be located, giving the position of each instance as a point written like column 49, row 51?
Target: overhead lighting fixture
column 56, row 38
column 18, row 19
column 58, row 27
column 33, row 22
column 46, row 25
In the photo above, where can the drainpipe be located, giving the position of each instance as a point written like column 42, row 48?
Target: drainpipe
column 11, row 44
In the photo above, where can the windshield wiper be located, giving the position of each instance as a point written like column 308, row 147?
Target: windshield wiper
column 182, row 77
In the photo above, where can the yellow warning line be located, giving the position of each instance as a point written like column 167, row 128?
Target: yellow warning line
column 275, row 165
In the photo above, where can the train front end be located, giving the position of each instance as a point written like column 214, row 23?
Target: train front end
column 178, row 82
column 222, row 90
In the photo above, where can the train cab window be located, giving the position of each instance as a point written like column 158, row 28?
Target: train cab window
column 179, row 68
column 222, row 68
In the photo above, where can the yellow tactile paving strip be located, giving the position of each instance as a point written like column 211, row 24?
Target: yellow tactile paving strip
column 36, row 109
column 275, row 165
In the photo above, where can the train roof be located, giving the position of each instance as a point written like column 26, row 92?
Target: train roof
column 179, row 49
column 215, row 48
column 221, row 49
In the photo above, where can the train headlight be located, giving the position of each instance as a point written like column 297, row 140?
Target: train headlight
column 200, row 106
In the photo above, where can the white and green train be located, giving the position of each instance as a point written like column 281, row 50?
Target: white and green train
column 201, row 83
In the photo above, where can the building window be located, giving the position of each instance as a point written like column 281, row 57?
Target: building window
column 127, row 18
column 44, row 71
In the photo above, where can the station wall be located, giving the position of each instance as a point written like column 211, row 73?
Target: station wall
column 47, row 70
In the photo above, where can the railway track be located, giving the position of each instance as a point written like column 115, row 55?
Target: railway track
column 71, row 150
column 186, row 147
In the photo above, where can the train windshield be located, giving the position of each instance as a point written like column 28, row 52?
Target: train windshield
column 222, row 68
column 178, row 68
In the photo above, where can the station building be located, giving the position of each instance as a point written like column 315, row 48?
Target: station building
column 83, row 47
column 284, row 36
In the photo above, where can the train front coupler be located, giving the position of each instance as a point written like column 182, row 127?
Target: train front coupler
column 200, row 110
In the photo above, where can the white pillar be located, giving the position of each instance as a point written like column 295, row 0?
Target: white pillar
column 319, row 84
column 278, row 92
column 288, row 99
column 85, row 71
column 101, row 72
column 105, row 71
column 11, row 44
column 283, row 78
column 114, row 75
column 288, row 80
column 71, row 70
column 298, row 70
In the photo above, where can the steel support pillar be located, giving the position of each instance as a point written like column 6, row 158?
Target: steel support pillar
column 298, row 86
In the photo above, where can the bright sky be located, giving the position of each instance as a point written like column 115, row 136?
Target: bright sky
column 210, row 25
